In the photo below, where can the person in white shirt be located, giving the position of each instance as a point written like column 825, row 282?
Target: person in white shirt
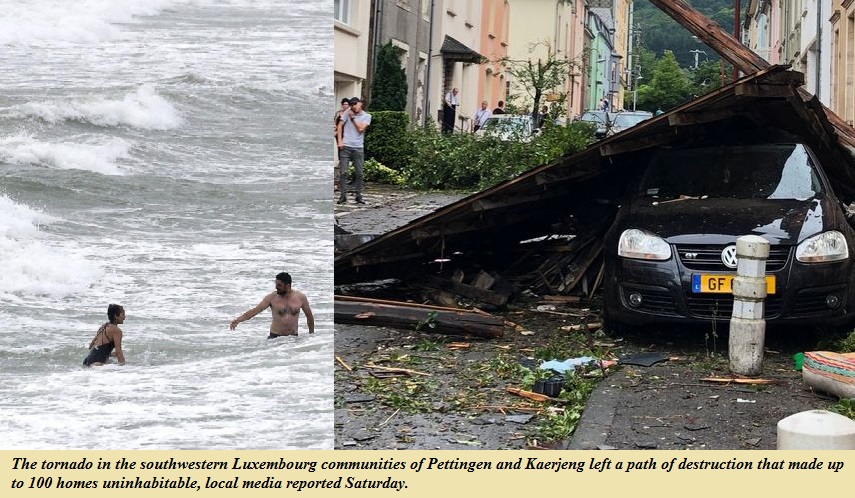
column 449, row 111
column 481, row 116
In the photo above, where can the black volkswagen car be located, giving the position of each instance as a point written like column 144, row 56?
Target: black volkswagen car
column 671, row 253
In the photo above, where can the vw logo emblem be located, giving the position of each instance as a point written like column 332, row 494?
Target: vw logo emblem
column 728, row 256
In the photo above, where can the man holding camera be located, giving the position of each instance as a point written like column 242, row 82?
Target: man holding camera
column 351, row 147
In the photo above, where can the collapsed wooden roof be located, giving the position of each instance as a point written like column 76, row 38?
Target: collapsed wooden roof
column 575, row 194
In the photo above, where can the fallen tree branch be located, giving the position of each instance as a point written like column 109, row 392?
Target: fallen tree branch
column 396, row 370
column 343, row 363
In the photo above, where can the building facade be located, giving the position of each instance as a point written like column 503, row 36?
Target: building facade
column 406, row 24
column 351, row 22
column 492, row 80
column 538, row 27
column 843, row 59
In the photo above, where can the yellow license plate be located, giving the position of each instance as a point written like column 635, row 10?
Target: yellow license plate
column 722, row 284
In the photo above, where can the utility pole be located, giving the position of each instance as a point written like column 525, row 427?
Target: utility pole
column 696, row 52
column 737, row 30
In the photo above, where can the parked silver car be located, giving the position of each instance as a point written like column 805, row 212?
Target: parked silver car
column 509, row 127
column 627, row 119
column 601, row 119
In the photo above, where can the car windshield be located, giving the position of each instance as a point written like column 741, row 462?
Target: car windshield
column 595, row 117
column 778, row 171
column 626, row 120
column 507, row 125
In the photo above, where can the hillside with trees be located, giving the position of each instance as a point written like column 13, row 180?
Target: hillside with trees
column 659, row 33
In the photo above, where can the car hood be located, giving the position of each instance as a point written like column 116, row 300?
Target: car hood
column 721, row 221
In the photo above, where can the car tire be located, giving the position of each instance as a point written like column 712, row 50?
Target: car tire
column 610, row 324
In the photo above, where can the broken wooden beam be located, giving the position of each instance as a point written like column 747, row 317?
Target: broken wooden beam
column 712, row 35
column 528, row 394
column 465, row 290
column 412, row 316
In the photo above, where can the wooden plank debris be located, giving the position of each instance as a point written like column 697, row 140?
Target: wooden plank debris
column 576, row 328
column 395, row 370
column 528, row 394
column 343, row 363
column 466, row 290
column 732, row 380
column 417, row 317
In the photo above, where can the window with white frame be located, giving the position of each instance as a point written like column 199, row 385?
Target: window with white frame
column 342, row 11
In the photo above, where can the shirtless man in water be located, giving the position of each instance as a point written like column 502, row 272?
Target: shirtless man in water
column 285, row 304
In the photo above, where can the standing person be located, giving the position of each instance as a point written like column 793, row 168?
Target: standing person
column 543, row 117
column 345, row 105
column 604, row 104
column 481, row 116
column 109, row 336
column 449, row 111
column 285, row 304
column 351, row 147
column 500, row 108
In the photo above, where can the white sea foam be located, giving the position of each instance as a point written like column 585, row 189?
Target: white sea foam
column 30, row 265
column 143, row 109
column 97, row 157
column 23, row 22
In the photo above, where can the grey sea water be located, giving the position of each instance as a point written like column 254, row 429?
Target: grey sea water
column 171, row 157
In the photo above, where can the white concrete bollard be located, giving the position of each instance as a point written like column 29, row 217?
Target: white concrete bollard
column 816, row 430
column 747, row 325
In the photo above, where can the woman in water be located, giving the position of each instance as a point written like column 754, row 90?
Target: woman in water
column 109, row 336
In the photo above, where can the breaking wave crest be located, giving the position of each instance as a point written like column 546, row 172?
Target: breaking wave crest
column 98, row 158
column 143, row 109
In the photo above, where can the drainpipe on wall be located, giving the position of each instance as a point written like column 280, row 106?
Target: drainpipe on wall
column 426, row 105
column 818, row 48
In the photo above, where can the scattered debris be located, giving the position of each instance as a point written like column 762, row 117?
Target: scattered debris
column 528, row 394
column 393, row 370
column 390, row 418
column 581, row 326
column 518, row 419
column 358, row 398
column 643, row 359
column 695, row 427
column 736, row 380
column 740, row 400
column 565, row 365
column 459, row 345
column 343, row 363
column 365, row 311
column 753, row 441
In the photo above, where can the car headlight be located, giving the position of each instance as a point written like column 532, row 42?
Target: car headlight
column 822, row 248
column 638, row 244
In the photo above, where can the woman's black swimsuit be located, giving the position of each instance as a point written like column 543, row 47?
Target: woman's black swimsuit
column 99, row 354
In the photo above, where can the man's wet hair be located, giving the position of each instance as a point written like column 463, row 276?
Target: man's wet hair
column 113, row 312
column 285, row 278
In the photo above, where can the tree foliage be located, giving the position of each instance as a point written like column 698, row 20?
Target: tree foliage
column 539, row 76
column 389, row 88
column 387, row 139
column 668, row 88
column 462, row 161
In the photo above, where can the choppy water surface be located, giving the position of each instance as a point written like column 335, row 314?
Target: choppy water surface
column 167, row 156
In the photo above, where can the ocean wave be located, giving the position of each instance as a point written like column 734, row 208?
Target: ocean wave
column 143, row 109
column 78, row 22
column 90, row 21
column 98, row 158
column 30, row 264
